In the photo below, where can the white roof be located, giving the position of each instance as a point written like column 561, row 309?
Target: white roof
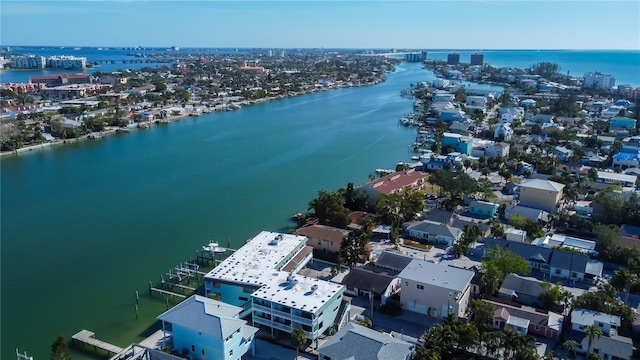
column 616, row 176
column 258, row 263
column 519, row 322
column 586, row 317
column 542, row 185
column 444, row 276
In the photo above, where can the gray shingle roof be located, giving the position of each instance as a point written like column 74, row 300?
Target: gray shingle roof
column 392, row 261
column 437, row 229
column 522, row 284
column 205, row 316
column 364, row 278
column 360, row 343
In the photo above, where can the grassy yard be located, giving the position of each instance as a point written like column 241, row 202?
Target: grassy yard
column 415, row 244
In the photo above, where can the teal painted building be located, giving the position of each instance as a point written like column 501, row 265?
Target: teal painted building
column 461, row 144
column 483, row 209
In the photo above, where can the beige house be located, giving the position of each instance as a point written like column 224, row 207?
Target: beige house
column 540, row 194
column 434, row 289
column 324, row 239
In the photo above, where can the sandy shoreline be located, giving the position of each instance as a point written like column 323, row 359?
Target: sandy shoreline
column 107, row 131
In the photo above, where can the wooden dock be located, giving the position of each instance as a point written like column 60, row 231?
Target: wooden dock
column 161, row 291
column 86, row 337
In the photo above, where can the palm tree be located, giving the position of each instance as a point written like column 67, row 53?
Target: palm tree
column 571, row 346
column 298, row 338
column 592, row 331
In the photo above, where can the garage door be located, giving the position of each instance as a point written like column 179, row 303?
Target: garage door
column 416, row 307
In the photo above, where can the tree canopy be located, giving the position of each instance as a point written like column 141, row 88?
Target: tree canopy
column 330, row 209
column 497, row 264
column 456, row 185
column 353, row 247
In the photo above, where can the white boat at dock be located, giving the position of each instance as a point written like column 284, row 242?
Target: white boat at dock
column 213, row 248
column 123, row 129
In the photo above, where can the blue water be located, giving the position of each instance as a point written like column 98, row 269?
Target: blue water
column 85, row 225
column 624, row 65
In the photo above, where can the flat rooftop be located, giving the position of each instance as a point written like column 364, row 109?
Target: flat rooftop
column 261, row 262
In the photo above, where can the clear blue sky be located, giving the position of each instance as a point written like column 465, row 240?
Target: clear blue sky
column 425, row 24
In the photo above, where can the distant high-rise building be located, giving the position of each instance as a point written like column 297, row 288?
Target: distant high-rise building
column 599, row 81
column 416, row 57
column 477, row 59
column 453, row 59
column 270, row 53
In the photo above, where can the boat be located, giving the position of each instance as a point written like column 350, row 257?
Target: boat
column 123, row 129
column 213, row 248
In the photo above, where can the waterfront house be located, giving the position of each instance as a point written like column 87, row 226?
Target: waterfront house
column 442, row 96
column 441, row 162
column 358, row 342
column 393, row 183
column 262, row 278
column 435, row 232
column 540, row 194
column 483, row 209
column 526, row 320
column 462, row 128
column 208, row 329
column 474, row 103
column 435, row 289
column 323, row 238
column 461, row 144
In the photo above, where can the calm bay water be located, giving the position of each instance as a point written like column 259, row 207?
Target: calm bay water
column 85, row 225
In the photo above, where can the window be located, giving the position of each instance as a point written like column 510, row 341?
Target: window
column 231, row 352
column 600, row 324
column 202, row 352
column 193, row 348
column 242, row 298
column 558, row 271
column 421, row 287
column 596, row 351
column 216, row 285
column 406, row 283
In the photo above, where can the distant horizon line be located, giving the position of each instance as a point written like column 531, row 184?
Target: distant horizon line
column 308, row 48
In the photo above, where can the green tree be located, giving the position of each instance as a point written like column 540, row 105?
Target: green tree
column 330, row 209
column 160, row 86
column 592, row 332
column 298, row 338
column 60, row 349
column 571, row 346
column 353, row 247
column 497, row 264
column 554, row 294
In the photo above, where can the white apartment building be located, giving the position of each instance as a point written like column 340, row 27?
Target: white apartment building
column 28, row 62
column 66, row 62
column 599, row 81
